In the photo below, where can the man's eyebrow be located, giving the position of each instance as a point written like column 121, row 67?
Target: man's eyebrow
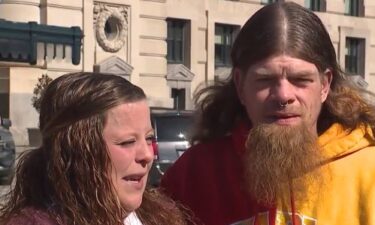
column 263, row 72
column 271, row 72
column 302, row 73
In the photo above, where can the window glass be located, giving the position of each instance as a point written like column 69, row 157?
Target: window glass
column 224, row 36
column 175, row 40
column 172, row 128
column 354, row 56
column 354, row 7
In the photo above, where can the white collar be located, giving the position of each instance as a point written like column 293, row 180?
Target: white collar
column 132, row 219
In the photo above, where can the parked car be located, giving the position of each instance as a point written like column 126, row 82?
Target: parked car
column 7, row 151
column 171, row 139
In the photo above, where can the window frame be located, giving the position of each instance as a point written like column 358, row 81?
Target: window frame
column 266, row 2
column 354, row 8
column 228, row 32
column 355, row 56
column 179, row 98
column 177, row 41
column 316, row 5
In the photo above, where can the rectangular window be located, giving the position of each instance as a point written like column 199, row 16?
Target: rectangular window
column 224, row 37
column 4, row 93
column 316, row 5
column 265, row 2
column 177, row 37
column 178, row 96
column 355, row 56
column 4, row 108
column 354, row 7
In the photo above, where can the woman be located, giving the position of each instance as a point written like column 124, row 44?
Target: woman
column 93, row 164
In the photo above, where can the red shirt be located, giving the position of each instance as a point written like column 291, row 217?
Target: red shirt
column 31, row 216
column 208, row 178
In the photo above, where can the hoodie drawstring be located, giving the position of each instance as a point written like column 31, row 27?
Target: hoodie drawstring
column 292, row 203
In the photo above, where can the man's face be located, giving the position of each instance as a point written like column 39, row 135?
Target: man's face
column 283, row 80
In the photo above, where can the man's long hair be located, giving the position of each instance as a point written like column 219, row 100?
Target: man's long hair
column 282, row 28
column 67, row 177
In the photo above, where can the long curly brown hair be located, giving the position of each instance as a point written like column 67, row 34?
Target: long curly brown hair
column 67, row 177
column 283, row 27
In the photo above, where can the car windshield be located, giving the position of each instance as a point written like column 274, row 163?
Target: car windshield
column 172, row 128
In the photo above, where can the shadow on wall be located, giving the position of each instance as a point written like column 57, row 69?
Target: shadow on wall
column 35, row 137
column 23, row 117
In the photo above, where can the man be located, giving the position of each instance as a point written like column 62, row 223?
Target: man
column 287, row 139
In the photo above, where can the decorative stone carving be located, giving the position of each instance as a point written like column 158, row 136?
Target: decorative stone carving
column 114, row 65
column 111, row 26
column 180, row 77
column 179, row 72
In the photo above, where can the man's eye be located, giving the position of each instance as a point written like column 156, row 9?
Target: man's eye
column 264, row 79
column 302, row 80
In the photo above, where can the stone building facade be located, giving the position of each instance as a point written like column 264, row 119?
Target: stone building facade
column 168, row 47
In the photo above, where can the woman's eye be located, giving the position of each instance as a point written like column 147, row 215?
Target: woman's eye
column 150, row 139
column 127, row 143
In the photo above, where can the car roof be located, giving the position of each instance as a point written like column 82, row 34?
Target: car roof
column 169, row 112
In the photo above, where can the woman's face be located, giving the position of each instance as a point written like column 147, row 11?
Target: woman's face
column 128, row 135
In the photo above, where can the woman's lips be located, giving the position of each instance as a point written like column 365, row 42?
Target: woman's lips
column 135, row 180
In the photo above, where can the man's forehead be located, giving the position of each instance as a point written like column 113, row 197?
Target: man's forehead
column 262, row 71
column 283, row 64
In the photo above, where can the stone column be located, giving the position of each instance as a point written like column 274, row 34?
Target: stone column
column 20, row 10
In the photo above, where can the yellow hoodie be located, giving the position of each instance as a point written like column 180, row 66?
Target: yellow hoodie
column 348, row 194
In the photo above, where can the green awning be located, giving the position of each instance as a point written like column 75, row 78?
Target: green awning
column 18, row 41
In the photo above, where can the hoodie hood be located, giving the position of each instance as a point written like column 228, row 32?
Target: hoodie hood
column 338, row 141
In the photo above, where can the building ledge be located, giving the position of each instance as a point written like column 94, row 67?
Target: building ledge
column 18, row 41
column 179, row 72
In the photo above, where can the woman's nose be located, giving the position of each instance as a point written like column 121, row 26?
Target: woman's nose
column 145, row 153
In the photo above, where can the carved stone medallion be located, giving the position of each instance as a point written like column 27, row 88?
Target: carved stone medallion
column 111, row 26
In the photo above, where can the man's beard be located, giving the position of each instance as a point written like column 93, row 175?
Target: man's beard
column 278, row 156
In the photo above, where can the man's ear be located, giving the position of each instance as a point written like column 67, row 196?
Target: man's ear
column 238, row 79
column 326, row 84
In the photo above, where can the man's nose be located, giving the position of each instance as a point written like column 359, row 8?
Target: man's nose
column 145, row 153
column 283, row 92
